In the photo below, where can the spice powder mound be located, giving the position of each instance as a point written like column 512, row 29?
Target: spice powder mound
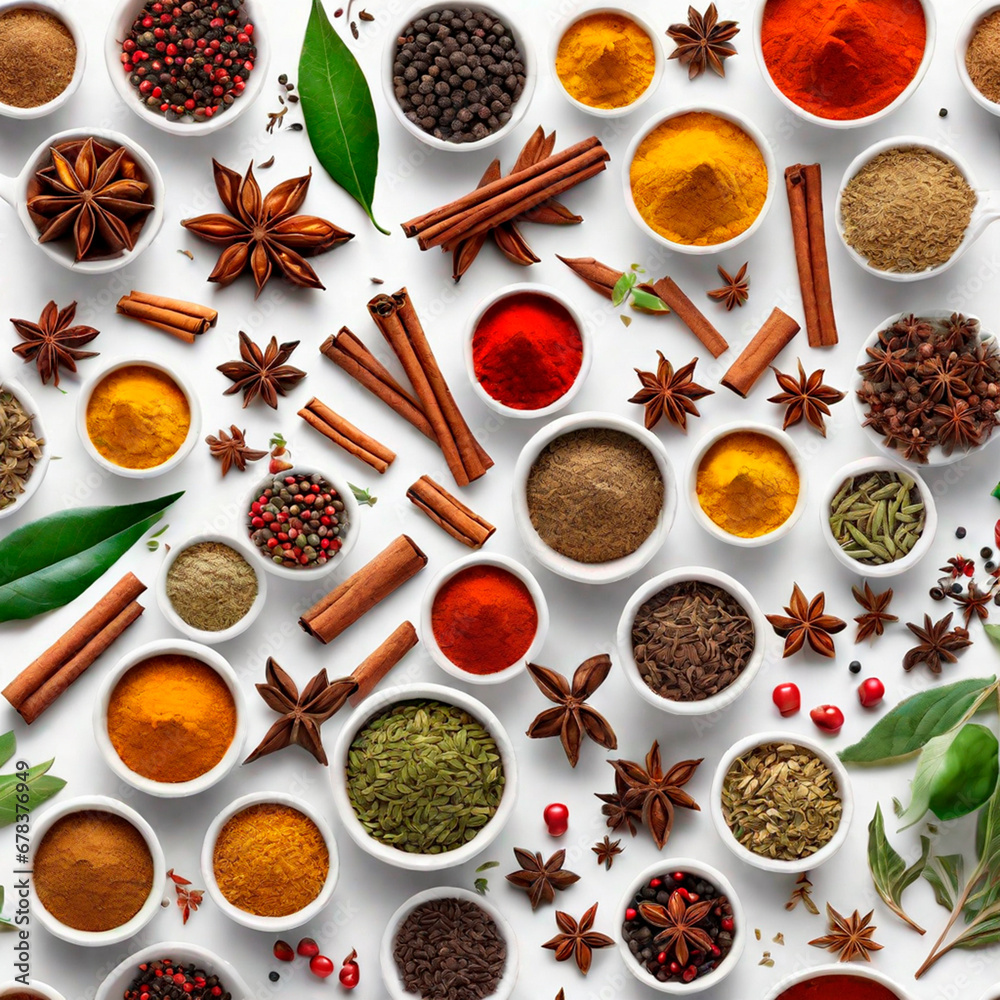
column 982, row 57
column 211, row 586
column 838, row 988
column 37, row 57
column 270, row 860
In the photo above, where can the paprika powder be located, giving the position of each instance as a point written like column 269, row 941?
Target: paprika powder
column 838, row 988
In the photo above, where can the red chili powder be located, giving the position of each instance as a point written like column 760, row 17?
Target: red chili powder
column 527, row 350
column 838, row 988
column 843, row 59
column 484, row 619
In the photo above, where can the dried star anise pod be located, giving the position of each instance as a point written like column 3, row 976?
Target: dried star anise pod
column 876, row 611
column 96, row 192
column 958, row 427
column 231, row 449
column 704, row 41
column 958, row 566
column 974, row 602
column 53, row 341
column 669, row 394
column 735, row 290
column 262, row 373
column 806, row 397
column 607, row 850
column 262, row 232
column 577, row 940
column 850, row 936
column 937, row 643
column 805, row 622
column 678, row 920
column 616, row 812
column 573, row 718
column 540, row 878
column 301, row 714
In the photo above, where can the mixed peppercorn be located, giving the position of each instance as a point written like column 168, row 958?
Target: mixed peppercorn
column 174, row 981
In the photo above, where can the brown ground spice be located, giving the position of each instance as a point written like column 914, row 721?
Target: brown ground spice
column 982, row 57
column 37, row 57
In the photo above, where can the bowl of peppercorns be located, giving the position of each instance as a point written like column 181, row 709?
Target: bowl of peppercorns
column 188, row 67
column 198, row 974
column 458, row 77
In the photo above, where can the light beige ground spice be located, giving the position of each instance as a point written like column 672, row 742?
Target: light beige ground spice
column 37, row 57
column 982, row 57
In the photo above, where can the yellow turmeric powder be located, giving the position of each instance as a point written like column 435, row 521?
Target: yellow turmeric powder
column 605, row 60
column 137, row 417
column 747, row 484
column 698, row 179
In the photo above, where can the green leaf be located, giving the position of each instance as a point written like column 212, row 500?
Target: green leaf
column 623, row 286
column 995, row 492
column 890, row 875
column 648, row 301
column 946, row 874
column 488, row 865
column 51, row 561
column 339, row 111
column 993, row 631
column 481, row 886
column 41, row 786
column 8, row 744
column 908, row 727
column 897, row 807
column 363, row 496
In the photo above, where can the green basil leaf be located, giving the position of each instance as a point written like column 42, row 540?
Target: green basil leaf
column 931, row 763
column 623, row 286
column 51, row 561
column 648, row 301
column 946, row 874
column 993, row 631
column 8, row 744
column 41, row 786
column 968, row 776
column 339, row 112
column 890, row 876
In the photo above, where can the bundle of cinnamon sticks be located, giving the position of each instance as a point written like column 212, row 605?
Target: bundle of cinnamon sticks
column 343, row 433
column 181, row 319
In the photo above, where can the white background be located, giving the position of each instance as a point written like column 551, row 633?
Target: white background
column 412, row 180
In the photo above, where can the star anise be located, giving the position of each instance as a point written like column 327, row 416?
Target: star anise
column 540, row 878
column 301, row 714
column 53, row 341
column 805, row 622
column 680, row 934
column 806, row 397
column 607, row 850
column 577, row 940
column 231, row 449
column 655, row 792
column 958, row 427
column 735, row 290
column 958, row 566
column 262, row 232
column 876, row 611
column 937, row 643
column 974, row 602
column 617, row 813
column 669, row 394
column 573, row 718
column 851, row 936
column 262, row 373
column 703, row 41
column 96, row 192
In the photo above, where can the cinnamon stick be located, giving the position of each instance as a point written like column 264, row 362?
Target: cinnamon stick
column 359, row 593
column 603, row 279
column 342, row 432
column 177, row 305
column 691, row 316
column 375, row 666
column 182, row 319
column 449, row 513
column 770, row 339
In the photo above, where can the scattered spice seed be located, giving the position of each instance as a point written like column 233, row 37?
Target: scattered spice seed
column 767, row 960
column 756, row 933
column 802, row 893
column 363, row 15
column 186, row 253
column 376, row 281
column 778, row 938
column 626, row 321
column 267, row 164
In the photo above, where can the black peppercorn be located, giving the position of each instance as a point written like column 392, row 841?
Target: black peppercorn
column 273, row 976
column 986, row 552
column 960, row 532
column 854, row 666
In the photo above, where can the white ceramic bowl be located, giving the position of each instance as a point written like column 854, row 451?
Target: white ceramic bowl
column 726, row 696
column 937, row 457
column 863, row 467
column 808, row 116
column 692, row 484
column 844, row 969
column 717, row 879
column 170, row 647
column 745, row 745
column 962, row 40
column 616, row 569
column 587, row 359
column 427, row 607
column 43, row 990
column 381, row 702
column 119, row 26
column 658, row 54
column 351, row 508
column 42, row 823
column 193, row 434
column 519, row 107
column 390, row 974
column 272, row 925
column 64, row 14
column 245, row 549
column 114, row 983
column 720, row 112
column 42, row 465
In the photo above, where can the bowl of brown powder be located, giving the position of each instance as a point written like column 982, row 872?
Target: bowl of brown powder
column 15, row 990
column 977, row 55
column 594, row 497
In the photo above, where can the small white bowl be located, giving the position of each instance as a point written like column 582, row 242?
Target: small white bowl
column 720, row 112
column 272, row 925
column 937, row 457
column 98, row 939
column 390, row 974
column 710, row 874
column 427, row 606
column 745, row 745
column 863, row 467
column 658, row 55
column 115, row 982
column 615, row 569
column 835, row 123
column 518, row 108
column 60, row 11
column 728, row 695
column 379, row 703
column 962, row 42
column 170, row 647
column 692, row 484
column 508, row 291
column 42, row 990
column 244, row 548
column 351, row 509
column 119, row 26
column 194, row 429
column 855, row 969
column 42, row 465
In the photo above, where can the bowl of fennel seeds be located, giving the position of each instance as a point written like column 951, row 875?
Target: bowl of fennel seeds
column 24, row 454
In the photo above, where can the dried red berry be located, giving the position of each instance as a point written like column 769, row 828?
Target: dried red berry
column 787, row 699
column 829, row 718
column 283, row 951
column 307, row 948
column 870, row 692
column 556, row 818
column 321, row 966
